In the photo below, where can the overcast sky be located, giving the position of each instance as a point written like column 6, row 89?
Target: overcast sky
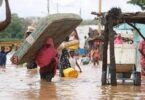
column 25, row 8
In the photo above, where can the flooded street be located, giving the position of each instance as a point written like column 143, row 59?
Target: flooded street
column 18, row 83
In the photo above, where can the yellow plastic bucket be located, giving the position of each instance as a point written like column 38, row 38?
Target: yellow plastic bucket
column 73, row 47
column 70, row 72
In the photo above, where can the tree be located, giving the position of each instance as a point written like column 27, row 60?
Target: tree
column 15, row 29
column 140, row 3
column 7, row 21
column 18, row 26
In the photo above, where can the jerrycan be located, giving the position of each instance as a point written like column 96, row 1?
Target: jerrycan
column 70, row 72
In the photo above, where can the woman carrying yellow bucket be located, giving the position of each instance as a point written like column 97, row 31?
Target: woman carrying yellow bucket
column 72, row 72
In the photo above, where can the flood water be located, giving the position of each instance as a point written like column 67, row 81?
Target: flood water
column 18, row 83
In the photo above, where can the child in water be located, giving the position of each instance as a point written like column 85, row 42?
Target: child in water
column 95, row 56
column 73, row 61
column 3, row 58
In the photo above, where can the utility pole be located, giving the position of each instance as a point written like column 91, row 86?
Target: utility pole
column 100, row 10
column 98, row 16
column 80, row 12
column 57, row 7
column 48, row 7
column 100, row 6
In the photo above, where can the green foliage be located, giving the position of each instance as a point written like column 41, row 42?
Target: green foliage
column 9, row 40
column 140, row 3
column 15, row 29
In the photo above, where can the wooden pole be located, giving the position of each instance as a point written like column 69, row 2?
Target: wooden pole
column 100, row 10
column 57, row 7
column 48, row 7
column 100, row 6
column 105, row 48
column 112, row 54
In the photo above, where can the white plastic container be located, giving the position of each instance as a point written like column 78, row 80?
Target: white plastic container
column 124, row 54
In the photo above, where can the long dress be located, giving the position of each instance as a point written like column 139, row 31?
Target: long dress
column 64, row 61
column 47, row 60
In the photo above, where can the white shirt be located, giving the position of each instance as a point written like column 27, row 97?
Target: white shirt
column 72, row 62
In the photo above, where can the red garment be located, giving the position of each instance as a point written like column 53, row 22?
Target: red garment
column 95, row 54
column 47, row 58
column 142, row 58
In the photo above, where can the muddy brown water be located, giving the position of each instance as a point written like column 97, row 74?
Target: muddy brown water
column 18, row 83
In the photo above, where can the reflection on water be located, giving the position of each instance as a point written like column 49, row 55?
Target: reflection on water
column 47, row 90
column 18, row 83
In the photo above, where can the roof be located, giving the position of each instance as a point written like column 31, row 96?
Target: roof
column 138, row 17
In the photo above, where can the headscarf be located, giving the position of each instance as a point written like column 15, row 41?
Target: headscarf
column 47, row 54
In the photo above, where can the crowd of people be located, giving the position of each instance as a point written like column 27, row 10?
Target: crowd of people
column 49, row 58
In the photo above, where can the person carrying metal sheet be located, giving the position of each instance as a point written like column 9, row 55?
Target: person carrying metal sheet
column 30, row 29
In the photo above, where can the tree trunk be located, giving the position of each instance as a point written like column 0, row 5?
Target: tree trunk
column 105, row 47
column 7, row 21
column 112, row 54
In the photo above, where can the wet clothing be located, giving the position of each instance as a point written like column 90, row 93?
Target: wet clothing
column 95, row 56
column 47, row 59
column 31, row 65
column 73, row 62
column 142, row 55
column 64, row 61
column 3, row 58
column 47, row 72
